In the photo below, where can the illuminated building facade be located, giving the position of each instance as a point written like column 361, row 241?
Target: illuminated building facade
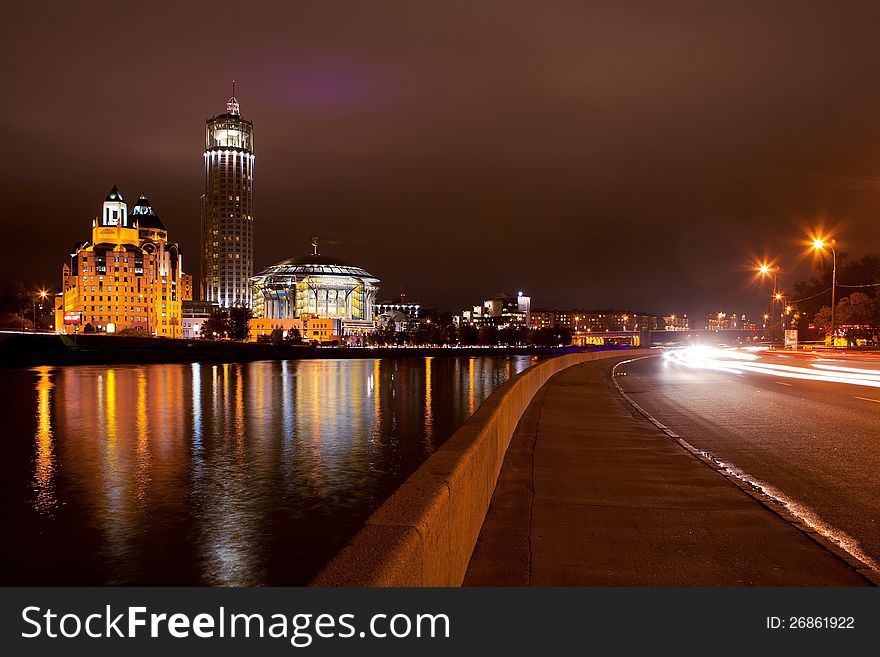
column 501, row 311
column 319, row 286
column 409, row 309
column 588, row 338
column 676, row 323
column 615, row 320
column 543, row 319
column 194, row 315
column 227, row 209
column 129, row 276
column 722, row 321
column 311, row 329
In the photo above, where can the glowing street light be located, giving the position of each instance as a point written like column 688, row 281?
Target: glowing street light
column 820, row 244
column 766, row 269
column 41, row 296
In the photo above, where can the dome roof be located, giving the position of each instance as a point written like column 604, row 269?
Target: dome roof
column 315, row 265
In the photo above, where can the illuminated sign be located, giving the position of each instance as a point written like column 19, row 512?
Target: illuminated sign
column 72, row 318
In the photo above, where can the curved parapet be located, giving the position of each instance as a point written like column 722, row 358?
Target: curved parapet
column 425, row 533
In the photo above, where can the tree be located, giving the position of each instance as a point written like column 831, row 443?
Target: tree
column 227, row 324
column 294, row 336
column 858, row 309
column 384, row 335
column 550, row 336
column 15, row 304
column 812, row 295
column 488, row 335
column 468, row 335
column 237, row 323
column 215, row 328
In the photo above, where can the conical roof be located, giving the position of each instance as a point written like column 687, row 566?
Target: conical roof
column 114, row 195
column 146, row 216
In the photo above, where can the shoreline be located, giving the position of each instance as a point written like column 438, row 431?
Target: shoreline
column 31, row 350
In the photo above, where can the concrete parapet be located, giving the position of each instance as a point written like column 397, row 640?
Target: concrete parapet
column 425, row 533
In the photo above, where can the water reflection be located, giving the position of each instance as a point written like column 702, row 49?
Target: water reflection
column 44, row 463
column 232, row 474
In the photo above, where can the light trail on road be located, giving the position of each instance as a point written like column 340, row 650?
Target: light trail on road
column 737, row 361
column 804, row 428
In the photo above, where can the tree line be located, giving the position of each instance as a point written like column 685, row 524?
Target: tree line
column 857, row 309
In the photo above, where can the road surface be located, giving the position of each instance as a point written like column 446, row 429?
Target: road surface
column 805, row 428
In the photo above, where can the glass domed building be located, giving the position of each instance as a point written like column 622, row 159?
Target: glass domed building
column 316, row 285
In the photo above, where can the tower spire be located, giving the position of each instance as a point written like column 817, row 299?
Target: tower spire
column 232, row 103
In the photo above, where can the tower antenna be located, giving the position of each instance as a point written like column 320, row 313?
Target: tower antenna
column 232, row 104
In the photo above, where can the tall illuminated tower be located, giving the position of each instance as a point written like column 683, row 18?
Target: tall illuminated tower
column 227, row 209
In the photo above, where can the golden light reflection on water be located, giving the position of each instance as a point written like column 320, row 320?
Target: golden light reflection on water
column 375, row 390
column 192, row 472
column 471, row 406
column 44, row 467
column 429, row 411
column 142, row 461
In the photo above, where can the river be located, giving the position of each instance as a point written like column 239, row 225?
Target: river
column 244, row 474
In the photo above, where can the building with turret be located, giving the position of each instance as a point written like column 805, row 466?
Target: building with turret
column 128, row 276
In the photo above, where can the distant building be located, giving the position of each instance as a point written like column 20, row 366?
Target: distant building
column 722, row 321
column 596, row 321
column 676, row 323
column 227, row 209
column 401, row 314
column 606, row 338
column 194, row 314
column 128, row 276
column 410, row 309
column 321, row 330
column 543, row 319
column 501, row 311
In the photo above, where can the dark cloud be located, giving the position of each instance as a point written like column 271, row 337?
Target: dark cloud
column 592, row 154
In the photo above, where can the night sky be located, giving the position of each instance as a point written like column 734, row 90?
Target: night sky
column 591, row 154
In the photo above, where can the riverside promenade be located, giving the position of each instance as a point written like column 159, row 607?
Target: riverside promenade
column 591, row 493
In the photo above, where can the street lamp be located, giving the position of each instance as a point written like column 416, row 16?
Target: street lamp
column 820, row 244
column 41, row 296
column 766, row 269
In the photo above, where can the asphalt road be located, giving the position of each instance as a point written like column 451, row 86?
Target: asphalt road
column 813, row 443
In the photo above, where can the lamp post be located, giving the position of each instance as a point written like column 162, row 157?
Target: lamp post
column 778, row 297
column 765, row 270
column 41, row 296
column 820, row 244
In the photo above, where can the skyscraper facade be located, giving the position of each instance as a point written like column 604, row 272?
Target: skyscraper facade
column 227, row 209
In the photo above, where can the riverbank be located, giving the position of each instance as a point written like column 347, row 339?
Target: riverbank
column 25, row 350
